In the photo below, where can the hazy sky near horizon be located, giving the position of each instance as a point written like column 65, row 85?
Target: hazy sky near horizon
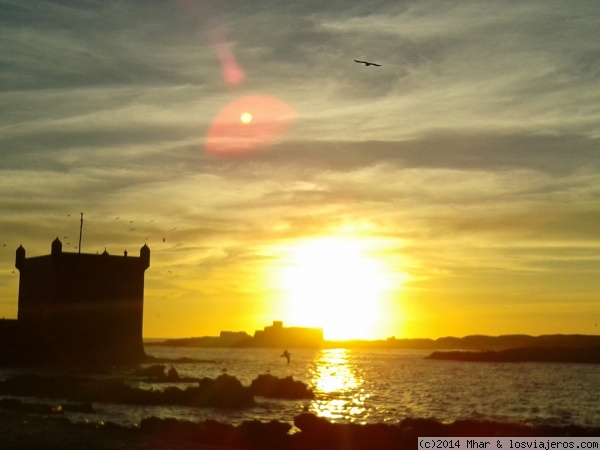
column 466, row 168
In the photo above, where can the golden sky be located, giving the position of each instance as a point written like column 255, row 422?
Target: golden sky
column 454, row 190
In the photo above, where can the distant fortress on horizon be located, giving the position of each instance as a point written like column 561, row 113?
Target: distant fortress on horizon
column 272, row 336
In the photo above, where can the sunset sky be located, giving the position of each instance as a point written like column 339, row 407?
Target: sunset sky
column 454, row 190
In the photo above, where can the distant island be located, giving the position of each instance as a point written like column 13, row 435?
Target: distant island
column 272, row 336
column 581, row 355
column 278, row 336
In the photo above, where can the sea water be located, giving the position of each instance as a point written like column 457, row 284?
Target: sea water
column 380, row 386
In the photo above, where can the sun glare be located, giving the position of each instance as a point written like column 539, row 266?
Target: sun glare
column 246, row 117
column 333, row 284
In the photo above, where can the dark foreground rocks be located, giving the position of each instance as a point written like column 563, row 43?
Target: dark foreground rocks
column 267, row 385
column 225, row 391
column 319, row 434
column 42, row 432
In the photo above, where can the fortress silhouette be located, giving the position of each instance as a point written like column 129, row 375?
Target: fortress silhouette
column 78, row 308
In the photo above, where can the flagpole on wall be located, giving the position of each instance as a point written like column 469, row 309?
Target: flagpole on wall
column 80, row 232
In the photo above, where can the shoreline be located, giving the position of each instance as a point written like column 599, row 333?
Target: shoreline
column 470, row 342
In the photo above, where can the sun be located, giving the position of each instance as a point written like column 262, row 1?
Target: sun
column 332, row 283
column 246, row 117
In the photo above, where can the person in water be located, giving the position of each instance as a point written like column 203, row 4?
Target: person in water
column 286, row 355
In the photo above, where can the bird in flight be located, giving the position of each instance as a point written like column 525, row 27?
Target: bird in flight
column 366, row 63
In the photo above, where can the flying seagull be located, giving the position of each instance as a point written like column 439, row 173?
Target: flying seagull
column 366, row 63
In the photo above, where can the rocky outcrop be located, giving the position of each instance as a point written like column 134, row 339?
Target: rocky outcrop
column 225, row 391
column 589, row 355
column 267, row 385
column 317, row 433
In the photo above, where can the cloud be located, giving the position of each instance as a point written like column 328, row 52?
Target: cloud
column 73, row 45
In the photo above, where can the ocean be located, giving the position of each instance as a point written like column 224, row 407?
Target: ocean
column 379, row 386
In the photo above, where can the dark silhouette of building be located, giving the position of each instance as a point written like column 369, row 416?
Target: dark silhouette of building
column 277, row 335
column 77, row 307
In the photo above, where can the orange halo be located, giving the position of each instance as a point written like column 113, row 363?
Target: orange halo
column 230, row 135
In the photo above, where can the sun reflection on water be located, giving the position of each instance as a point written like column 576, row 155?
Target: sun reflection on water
column 339, row 386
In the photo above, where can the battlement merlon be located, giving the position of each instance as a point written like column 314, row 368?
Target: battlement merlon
column 145, row 256
column 20, row 257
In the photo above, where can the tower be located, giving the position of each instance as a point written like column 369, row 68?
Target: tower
column 82, row 307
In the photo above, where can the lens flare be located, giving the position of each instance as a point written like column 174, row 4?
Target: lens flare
column 207, row 16
column 248, row 124
column 232, row 72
